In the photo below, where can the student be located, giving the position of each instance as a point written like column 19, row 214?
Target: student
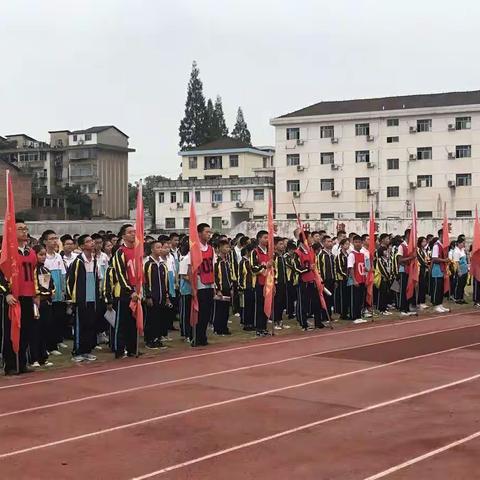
column 407, row 305
column 185, row 290
column 382, row 280
column 356, row 274
column 246, row 286
column 440, row 263
column 174, row 285
column 67, row 253
column 83, row 290
column 157, row 297
column 109, row 285
column 292, row 279
column 326, row 267
column 280, row 298
column 341, row 273
column 223, row 288
column 423, row 264
column 460, row 262
column 42, row 324
column 102, row 261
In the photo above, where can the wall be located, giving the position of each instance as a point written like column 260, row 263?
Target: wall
column 22, row 188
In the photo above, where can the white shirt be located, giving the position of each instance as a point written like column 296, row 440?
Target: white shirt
column 55, row 262
column 184, row 263
column 435, row 252
column 69, row 260
column 365, row 252
column 458, row 253
column 336, row 249
column 350, row 260
column 238, row 253
column 88, row 263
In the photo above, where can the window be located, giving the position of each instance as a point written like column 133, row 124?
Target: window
column 424, row 181
column 362, row 129
column 463, row 123
column 464, row 213
column 327, row 131
column 217, row 196
column 233, row 161
column 258, row 194
column 362, row 183
column 161, row 197
column 327, row 184
column 293, row 185
column 293, row 159
column 424, row 125
column 393, row 192
column 464, row 179
column 169, row 223
column 235, row 195
column 192, row 178
column 79, row 170
column 173, row 197
column 267, row 162
column 327, row 158
column 213, row 162
column 197, row 197
column 216, row 223
column 393, row 164
column 362, row 215
column 463, row 151
column 186, row 222
column 424, row 214
column 75, row 138
column 392, row 122
column 259, row 217
column 293, row 133
column 233, row 176
column 424, row 153
column 212, row 177
column 186, row 197
column 392, row 139
column 192, row 162
column 362, row 156
column 326, row 216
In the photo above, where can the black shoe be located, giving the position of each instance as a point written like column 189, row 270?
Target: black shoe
column 9, row 373
column 228, row 332
column 248, row 328
column 173, row 329
column 320, row 326
column 151, row 346
column 26, row 370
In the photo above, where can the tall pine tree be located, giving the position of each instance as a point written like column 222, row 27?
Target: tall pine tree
column 220, row 125
column 240, row 130
column 193, row 127
column 210, row 121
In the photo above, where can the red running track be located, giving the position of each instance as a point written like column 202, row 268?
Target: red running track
column 387, row 400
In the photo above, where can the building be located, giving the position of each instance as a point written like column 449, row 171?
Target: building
column 337, row 158
column 21, row 184
column 231, row 180
column 95, row 159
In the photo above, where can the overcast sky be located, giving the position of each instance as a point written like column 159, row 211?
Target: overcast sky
column 70, row 64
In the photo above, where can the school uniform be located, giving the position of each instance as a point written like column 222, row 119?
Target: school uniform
column 326, row 268
column 292, row 281
column 173, row 263
column 461, row 268
column 404, row 272
column 356, row 262
column 185, row 303
column 156, row 289
column 108, row 296
column 423, row 264
column 258, row 261
column 382, row 278
column 4, row 320
column 342, row 292
column 102, row 267
column 234, row 258
column 280, row 297
column 438, row 272
column 246, row 287
column 223, row 285
column 83, row 290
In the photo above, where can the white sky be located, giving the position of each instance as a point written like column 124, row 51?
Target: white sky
column 70, row 64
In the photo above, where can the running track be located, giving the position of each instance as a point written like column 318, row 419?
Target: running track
column 395, row 400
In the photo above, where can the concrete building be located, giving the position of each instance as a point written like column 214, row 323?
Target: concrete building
column 95, row 159
column 231, row 179
column 337, row 158
column 21, row 184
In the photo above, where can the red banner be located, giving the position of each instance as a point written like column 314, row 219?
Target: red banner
column 195, row 260
column 269, row 287
column 446, row 247
column 412, row 250
column 475, row 258
column 371, row 251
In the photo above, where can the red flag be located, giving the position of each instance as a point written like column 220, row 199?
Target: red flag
column 371, row 251
column 475, row 258
column 136, row 307
column 316, row 275
column 195, row 261
column 9, row 264
column 412, row 250
column 269, row 287
column 446, row 246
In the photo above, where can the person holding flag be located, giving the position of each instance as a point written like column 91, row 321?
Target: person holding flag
column 439, row 269
column 405, row 257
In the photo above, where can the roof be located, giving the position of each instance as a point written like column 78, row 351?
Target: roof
column 21, row 135
column 59, row 131
column 222, row 144
column 98, row 129
column 388, row 103
column 11, row 165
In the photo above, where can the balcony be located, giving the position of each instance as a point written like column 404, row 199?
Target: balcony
column 82, row 154
column 218, row 182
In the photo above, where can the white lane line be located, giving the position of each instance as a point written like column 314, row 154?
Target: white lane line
column 228, row 350
column 304, row 427
column 420, row 458
column 226, row 402
column 222, row 372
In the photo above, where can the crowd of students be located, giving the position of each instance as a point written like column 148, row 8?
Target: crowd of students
column 81, row 287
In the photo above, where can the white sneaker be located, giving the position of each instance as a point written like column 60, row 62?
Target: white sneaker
column 405, row 314
column 77, row 359
column 439, row 309
column 285, row 326
column 166, row 339
column 48, row 364
column 98, row 347
column 63, row 345
column 412, row 309
column 237, row 315
column 56, row 353
column 277, row 327
column 35, row 365
column 386, row 313
column 445, row 309
column 424, row 306
column 89, row 357
column 359, row 320
column 367, row 315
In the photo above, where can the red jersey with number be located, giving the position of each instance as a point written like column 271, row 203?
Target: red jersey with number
column 359, row 267
column 262, row 260
column 205, row 271
column 27, row 265
column 305, row 260
column 130, row 264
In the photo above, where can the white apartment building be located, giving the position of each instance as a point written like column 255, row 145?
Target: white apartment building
column 230, row 179
column 335, row 159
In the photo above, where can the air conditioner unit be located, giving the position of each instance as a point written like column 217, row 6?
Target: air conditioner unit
column 299, row 141
column 239, row 204
column 413, row 185
column 371, row 192
column 370, row 138
column 296, row 194
column 412, row 157
column 452, row 184
column 451, row 127
column 451, row 155
column 413, row 129
column 214, row 205
column 334, row 139
column 300, row 168
column 335, row 193
column 224, row 221
column 179, row 205
column 334, row 166
column 370, row 165
column 81, row 142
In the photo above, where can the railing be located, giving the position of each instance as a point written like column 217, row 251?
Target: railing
column 218, row 182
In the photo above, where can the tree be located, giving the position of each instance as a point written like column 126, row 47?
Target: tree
column 220, row 126
column 193, row 126
column 240, row 130
column 210, row 121
column 132, row 195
